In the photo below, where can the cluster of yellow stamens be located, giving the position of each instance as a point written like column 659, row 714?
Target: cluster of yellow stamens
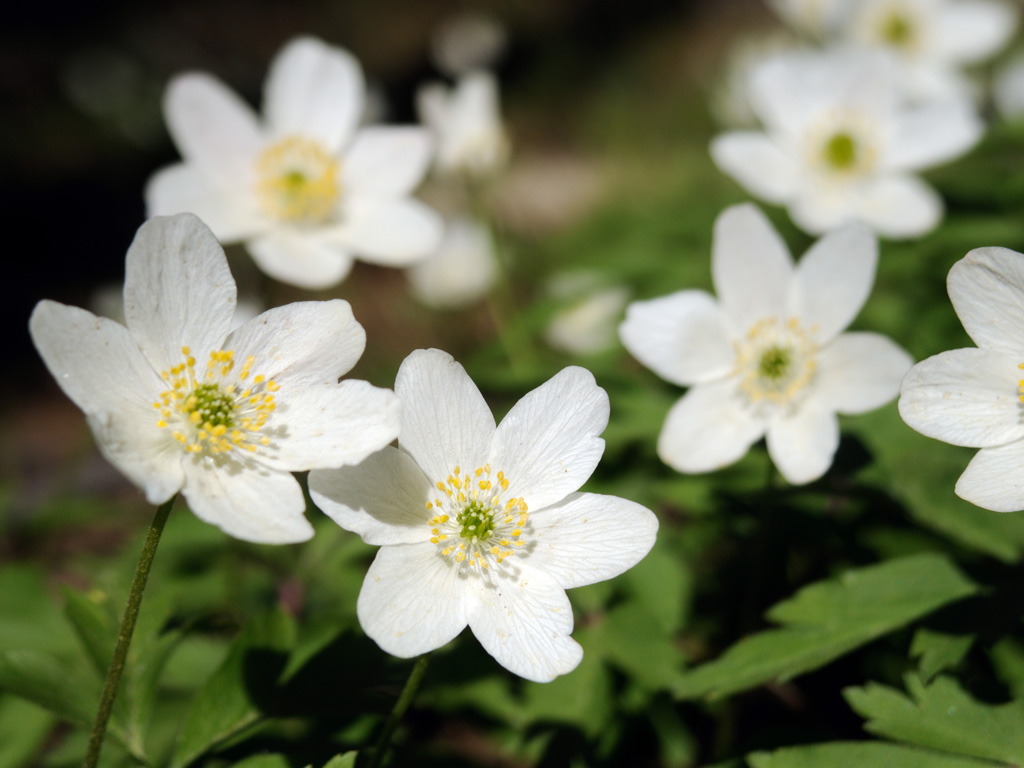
column 775, row 360
column 471, row 524
column 298, row 181
column 1020, row 386
column 209, row 415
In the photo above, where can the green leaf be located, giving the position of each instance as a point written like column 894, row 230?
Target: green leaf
column 831, row 618
column 275, row 760
column 24, row 727
column 92, row 623
column 1008, row 659
column 943, row 716
column 858, row 754
column 46, row 680
column 938, row 651
column 233, row 697
column 347, row 760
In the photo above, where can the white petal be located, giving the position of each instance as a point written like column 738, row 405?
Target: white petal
column 758, row 164
column 709, row 428
column 393, row 233
column 178, row 290
column 751, row 267
column 213, row 129
column 445, row 420
column 314, row 89
column 549, row 442
column 682, row 337
column 994, row 479
column 412, row 600
column 932, row 134
column 301, row 344
column 834, row 279
column 818, row 207
column 387, row 161
column 587, row 538
column 965, row 397
column 383, row 499
column 968, row 31
column 859, row 372
column 524, row 622
column 330, row 425
column 900, row 207
column 307, row 262
column 247, row 501
column 987, row 291
column 99, row 366
column 803, row 444
column 462, row 269
column 184, row 188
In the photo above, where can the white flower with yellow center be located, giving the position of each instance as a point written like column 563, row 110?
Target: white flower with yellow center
column 767, row 359
column 483, row 525
column 932, row 40
column 179, row 402
column 466, row 123
column 839, row 145
column 306, row 189
column 975, row 397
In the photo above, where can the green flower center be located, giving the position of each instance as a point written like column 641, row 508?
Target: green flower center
column 213, row 406
column 897, row 30
column 476, row 520
column 841, row 151
column 775, row 363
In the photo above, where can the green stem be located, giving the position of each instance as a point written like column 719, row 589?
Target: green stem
column 124, row 634
column 404, row 700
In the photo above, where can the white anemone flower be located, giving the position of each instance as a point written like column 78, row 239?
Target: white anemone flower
column 816, row 19
column 466, row 123
column 588, row 325
column 840, row 146
column 932, row 40
column 179, row 402
column 461, row 271
column 973, row 397
column 305, row 188
column 767, row 358
column 482, row 525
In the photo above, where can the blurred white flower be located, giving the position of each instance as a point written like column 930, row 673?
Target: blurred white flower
column 589, row 324
column 932, row 40
column 840, row 146
column 466, row 42
column 306, row 189
column 466, row 123
column 973, row 397
column 179, row 402
column 1008, row 89
column 815, row 19
column 767, row 358
column 483, row 525
column 730, row 97
column 461, row 271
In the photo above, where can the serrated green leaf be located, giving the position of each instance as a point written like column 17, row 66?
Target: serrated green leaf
column 831, row 618
column 634, row 642
column 229, row 702
column 858, row 754
column 938, row 651
column 942, row 716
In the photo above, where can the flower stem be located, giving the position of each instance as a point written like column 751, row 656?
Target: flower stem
column 124, row 634
column 404, row 700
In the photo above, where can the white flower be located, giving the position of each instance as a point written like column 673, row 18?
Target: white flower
column 972, row 397
column 838, row 146
column 816, row 19
column 467, row 41
column 179, row 403
column 1008, row 89
column 588, row 325
column 932, row 40
column 482, row 525
column 461, row 271
column 466, row 123
column 305, row 188
column 767, row 358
